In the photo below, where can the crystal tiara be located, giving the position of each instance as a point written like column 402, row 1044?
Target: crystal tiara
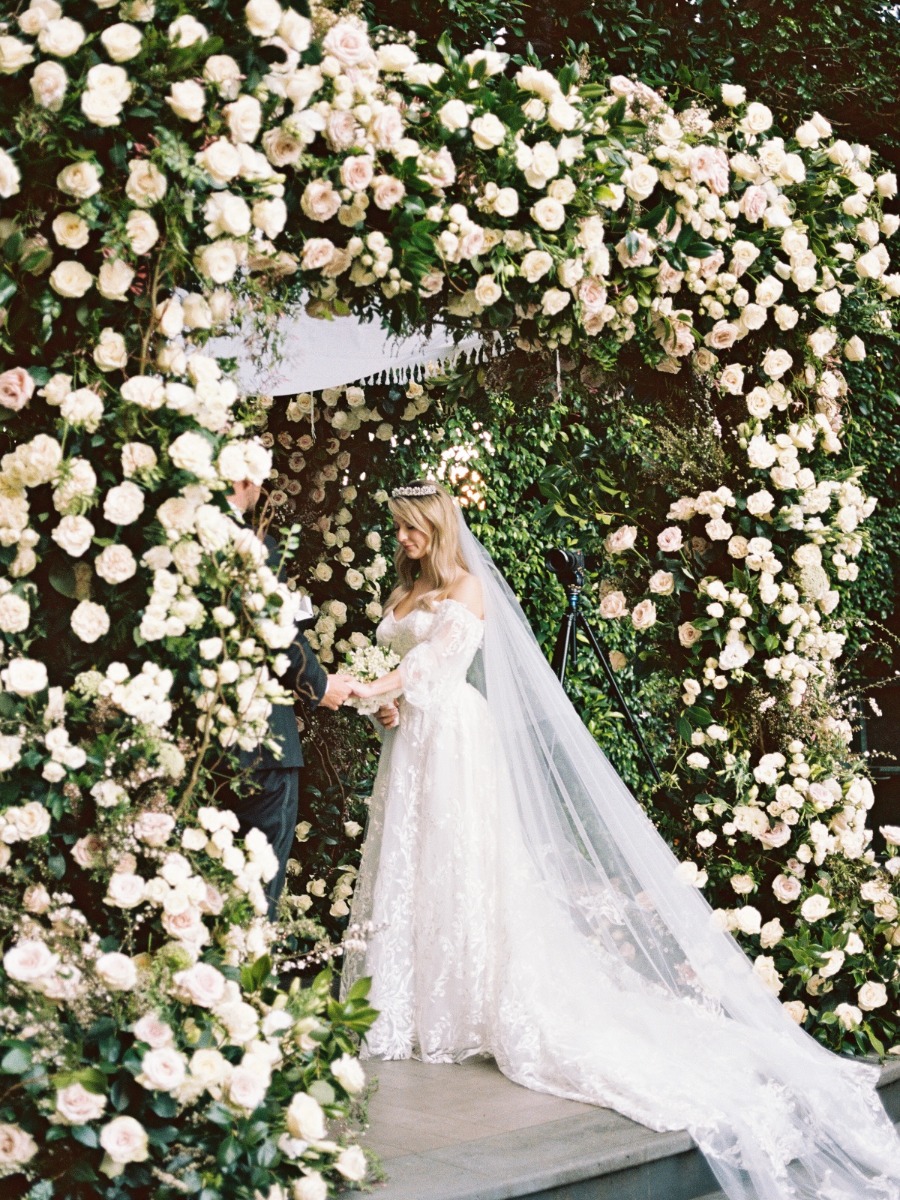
column 428, row 489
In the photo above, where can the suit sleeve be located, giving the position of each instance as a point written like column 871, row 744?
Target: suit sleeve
column 305, row 676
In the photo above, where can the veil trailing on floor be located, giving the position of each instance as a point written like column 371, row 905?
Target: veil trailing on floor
column 777, row 1115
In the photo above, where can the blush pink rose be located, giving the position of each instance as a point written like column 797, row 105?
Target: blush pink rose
column 16, row 388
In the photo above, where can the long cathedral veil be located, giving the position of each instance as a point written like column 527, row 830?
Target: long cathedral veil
column 786, row 1118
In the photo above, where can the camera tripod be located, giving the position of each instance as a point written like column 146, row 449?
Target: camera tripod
column 566, row 649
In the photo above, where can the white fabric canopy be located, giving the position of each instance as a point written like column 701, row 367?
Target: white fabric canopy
column 308, row 354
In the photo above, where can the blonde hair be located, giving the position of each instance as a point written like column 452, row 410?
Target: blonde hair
column 434, row 515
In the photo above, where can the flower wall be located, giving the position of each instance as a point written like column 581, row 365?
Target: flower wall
column 157, row 166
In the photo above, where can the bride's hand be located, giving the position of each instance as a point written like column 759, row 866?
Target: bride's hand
column 361, row 690
column 388, row 715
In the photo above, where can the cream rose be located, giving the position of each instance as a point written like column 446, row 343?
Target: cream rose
column 304, row 1118
column 80, row 179
column 110, row 353
column 548, row 213
column 70, row 279
column 121, row 41
column 115, row 279
column 48, row 85
column 62, row 38
column 125, row 1140
column 187, row 100
column 75, row 1105
column 90, row 621
column 116, row 971
column 613, row 605
column 535, row 265
column 115, row 564
column 643, row 615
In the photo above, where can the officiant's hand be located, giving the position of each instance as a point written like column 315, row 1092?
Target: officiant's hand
column 388, row 715
column 338, row 689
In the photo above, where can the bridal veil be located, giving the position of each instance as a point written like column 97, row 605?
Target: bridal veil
column 778, row 1116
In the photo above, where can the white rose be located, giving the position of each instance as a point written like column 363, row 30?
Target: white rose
column 117, row 971
column 15, row 614
column 82, row 408
column 263, row 17
column 488, row 132
column 187, row 31
column 187, row 100
column 115, row 564
column 125, row 890
column 121, row 42
column 310, row 1187
column 162, row 1070
column 873, row 264
column 73, row 534
column 304, row 1118
column 142, row 231
column 270, row 216
column 244, row 117
column 886, row 185
column 218, row 261
column 757, row 118
column 14, row 54
column 29, row 961
column 75, row 1105
column 16, row 1146
column 25, row 677
column 872, row 995
column 110, row 353
column 733, row 94
column 48, row 85
column 349, row 1074
column 454, row 115
column 200, row 984
column 849, row 1016
column 347, row 41
column 61, row 38
column 220, row 160
column 125, row 1140
column 123, row 504
column 114, row 279
column 296, row 30
column 351, row 1163
column 146, row 184
column 81, row 179
column 815, row 907
column 535, row 265
column 90, row 621
column 731, row 379
column 548, row 213
column 70, row 279
column 662, row 583
column 554, row 300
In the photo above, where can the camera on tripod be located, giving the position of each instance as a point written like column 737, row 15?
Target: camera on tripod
column 569, row 568
column 567, row 565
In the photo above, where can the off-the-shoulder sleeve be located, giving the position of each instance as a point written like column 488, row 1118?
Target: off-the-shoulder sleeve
column 442, row 660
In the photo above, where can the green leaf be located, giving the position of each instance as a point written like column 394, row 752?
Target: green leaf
column 16, row 1061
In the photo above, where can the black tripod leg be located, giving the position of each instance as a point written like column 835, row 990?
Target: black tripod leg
column 614, row 685
column 565, row 642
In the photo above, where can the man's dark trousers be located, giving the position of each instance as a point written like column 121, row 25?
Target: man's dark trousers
column 266, row 792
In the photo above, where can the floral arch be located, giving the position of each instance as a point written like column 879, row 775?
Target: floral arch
column 160, row 168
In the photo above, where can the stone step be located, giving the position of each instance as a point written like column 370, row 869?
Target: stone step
column 468, row 1133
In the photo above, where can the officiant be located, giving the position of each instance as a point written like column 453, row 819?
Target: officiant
column 265, row 792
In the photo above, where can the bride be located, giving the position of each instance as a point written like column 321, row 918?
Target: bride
column 525, row 908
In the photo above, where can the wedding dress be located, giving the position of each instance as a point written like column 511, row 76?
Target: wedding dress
column 524, row 907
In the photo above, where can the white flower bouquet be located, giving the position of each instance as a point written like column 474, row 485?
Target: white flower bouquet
column 367, row 664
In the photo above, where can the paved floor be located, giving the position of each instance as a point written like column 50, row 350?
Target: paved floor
column 446, row 1132
column 423, row 1106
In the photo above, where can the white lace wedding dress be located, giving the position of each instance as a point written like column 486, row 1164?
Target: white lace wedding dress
column 499, row 930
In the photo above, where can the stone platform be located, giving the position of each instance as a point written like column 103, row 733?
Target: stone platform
column 468, row 1133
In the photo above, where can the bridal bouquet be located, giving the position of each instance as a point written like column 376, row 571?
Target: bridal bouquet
column 368, row 663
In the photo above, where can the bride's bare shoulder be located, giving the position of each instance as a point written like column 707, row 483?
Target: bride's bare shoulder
column 466, row 589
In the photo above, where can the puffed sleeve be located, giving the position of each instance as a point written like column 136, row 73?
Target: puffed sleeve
column 443, row 658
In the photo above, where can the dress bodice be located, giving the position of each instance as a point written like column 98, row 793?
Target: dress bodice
column 436, row 647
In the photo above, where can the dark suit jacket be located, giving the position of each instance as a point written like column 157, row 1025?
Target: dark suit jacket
column 306, row 679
